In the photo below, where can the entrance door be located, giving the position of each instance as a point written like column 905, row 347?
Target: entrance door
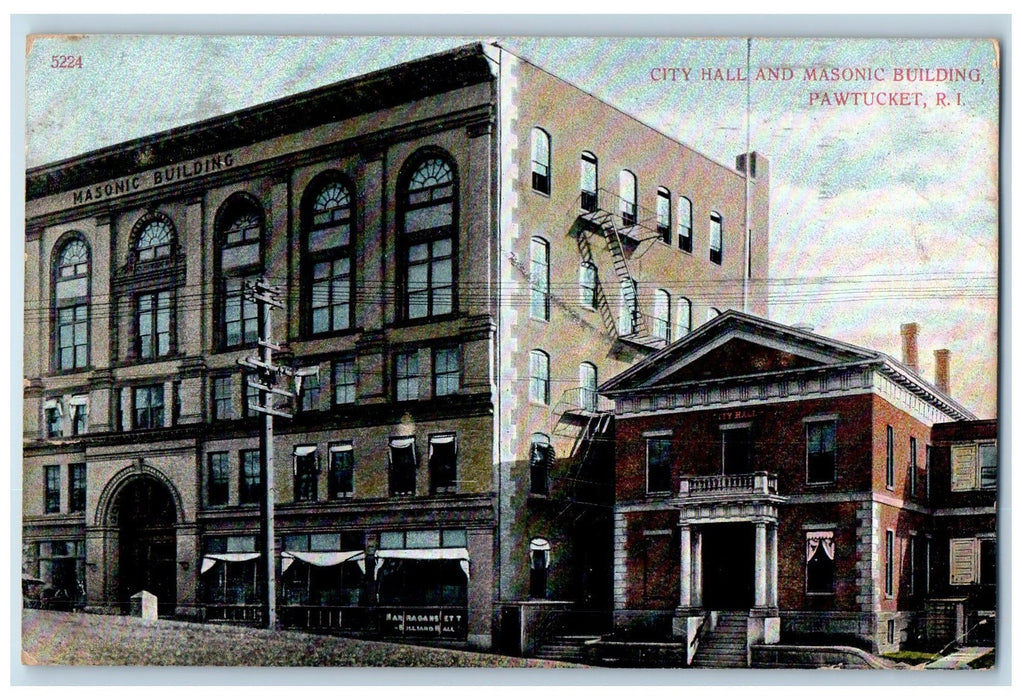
column 728, row 566
column 148, row 545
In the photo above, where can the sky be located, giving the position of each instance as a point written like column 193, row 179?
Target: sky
column 879, row 215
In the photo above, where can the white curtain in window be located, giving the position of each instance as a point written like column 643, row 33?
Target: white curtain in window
column 441, row 440
column 459, row 554
column 815, row 540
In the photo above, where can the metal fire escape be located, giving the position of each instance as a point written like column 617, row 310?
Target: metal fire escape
column 595, row 220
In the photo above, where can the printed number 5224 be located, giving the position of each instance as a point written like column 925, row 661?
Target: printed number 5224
column 65, row 61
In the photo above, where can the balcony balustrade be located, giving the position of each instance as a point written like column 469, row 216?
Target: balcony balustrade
column 720, row 486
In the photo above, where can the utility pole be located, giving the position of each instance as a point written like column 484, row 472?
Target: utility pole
column 268, row 299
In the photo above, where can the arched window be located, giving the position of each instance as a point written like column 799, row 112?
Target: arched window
column 589, row 181
column 587, row 386
column 628, row 308
column 326, row 256
column 716, row 238
column 539, row 562
column 685, row 224
column 587, row 285
column 663, row 214
column 684, row 317
column 540, row 160
column 155, row 239
column 627, row 190
column 539, row 298
column 427, row 247
column 72, row 276
column 239, row 230
column 153, row 300
column 541, row 458
column 662, row 315
column 539, row 377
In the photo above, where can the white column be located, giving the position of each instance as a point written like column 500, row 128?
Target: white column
column 697, row 568
column 761, row 564
column 685, row 587
column 772, row 566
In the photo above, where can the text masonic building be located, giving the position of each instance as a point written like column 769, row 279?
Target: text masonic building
column 466, row 246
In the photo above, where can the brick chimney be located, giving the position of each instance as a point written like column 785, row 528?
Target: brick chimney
column 942, row 370
column 909, row 346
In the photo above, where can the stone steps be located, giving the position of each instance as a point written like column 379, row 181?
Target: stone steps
column 726, row 645
column 564, row 647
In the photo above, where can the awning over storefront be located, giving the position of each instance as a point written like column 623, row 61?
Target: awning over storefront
column 322, row 558
column 459, row 554
column 210, row 560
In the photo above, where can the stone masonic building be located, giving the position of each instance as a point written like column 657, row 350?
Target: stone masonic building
column 466, row 246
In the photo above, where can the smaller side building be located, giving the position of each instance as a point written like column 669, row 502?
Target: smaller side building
column 780, row 476
column 964, row 501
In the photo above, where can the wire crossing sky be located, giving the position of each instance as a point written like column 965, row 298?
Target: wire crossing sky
column 883, row 153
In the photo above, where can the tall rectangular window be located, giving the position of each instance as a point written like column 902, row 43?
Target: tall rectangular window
column 913, row 465
column 663, row 214
column 588, row 181
column 685, row 224
column 430, row 279
column 541, row 458
column 72, row 337
column 889, row 563
column 217, row 479
column 153, row 325
column 539, row 377
column 587, row 285
column 820, row 561
column 309, row 397
column 446, row 371
column 662, row 315
column 148, row 405
column 443, row 463
column 406, row 376
column 540, row 161
column 306, row 473
column 251, row 394
column 988, row 465
column 929, row 455
column 222, row 394
column 251, row 482
column 79, row 407
column 342, row 470
column 658, row 465
column 737, row 450
column 344, row 381
column 403, row 464
column 539, row 299
column 241, row 314
column 76, row 488
column 51, row 486
column 331, row 295
column 54, row 414
column 821, row 439
column 890, row 457
column 716, row 238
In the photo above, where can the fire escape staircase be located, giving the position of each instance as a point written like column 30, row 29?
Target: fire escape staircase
column 604, row 223
column 590, row 428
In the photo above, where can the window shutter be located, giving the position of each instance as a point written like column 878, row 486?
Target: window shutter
column 963, row 467
column 963, row 561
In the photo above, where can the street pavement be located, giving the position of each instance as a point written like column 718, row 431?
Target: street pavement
column 62, row 638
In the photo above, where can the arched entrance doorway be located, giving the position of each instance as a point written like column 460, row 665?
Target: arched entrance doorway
column 145, row 516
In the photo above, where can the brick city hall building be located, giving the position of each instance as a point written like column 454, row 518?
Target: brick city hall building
column 803, row 488
column 466, row 246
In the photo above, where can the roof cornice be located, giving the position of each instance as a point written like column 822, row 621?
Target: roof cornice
column 431, row 75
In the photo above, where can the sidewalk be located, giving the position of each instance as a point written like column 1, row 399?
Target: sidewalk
column 102, row 640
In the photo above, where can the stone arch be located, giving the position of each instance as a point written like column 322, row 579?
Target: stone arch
column 108, row 496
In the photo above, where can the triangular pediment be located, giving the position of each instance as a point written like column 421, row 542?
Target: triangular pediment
column 736, row 345
column 736, row 357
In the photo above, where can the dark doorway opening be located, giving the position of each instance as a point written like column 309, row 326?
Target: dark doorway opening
column 729, row 558
column 147, row 542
